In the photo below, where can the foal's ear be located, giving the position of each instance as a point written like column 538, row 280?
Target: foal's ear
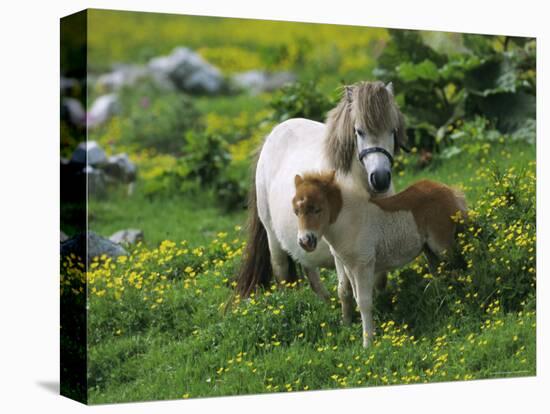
column 298, row 180
column 331, row 176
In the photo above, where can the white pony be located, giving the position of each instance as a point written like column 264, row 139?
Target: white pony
column 359, row 139
column 370, row 236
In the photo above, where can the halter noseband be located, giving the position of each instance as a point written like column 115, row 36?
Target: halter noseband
column 371, row 150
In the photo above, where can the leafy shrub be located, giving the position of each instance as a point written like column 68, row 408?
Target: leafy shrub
column 493, row 269
column 476, row 137
column 197, row 169
column 70, row 137
column 491, row 76
column 151, row 119
column 206, row 156
column 232, row 186
column 300, row 100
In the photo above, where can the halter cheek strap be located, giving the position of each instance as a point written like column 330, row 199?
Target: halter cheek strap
column 371, row 150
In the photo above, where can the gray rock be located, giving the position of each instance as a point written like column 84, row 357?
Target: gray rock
column 260, row 81
column 68, row 85
column 102, row 109
column 128, row 236
column 73, row 111
column 120, row 168
column 124, row 75
column 187, row 71
column 89, row 153
column 89, row 245
column 63, row 236
column 96, row 181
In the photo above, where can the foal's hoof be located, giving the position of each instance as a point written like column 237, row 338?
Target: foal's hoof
column 382, row 282
column 367, row 339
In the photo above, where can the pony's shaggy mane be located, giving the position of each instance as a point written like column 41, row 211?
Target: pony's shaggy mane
column 372, row 105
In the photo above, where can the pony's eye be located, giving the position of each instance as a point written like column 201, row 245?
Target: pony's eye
column 360, row 132
column 317, row 211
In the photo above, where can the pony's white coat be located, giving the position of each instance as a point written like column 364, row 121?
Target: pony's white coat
column 293, row 147
column 300, row 145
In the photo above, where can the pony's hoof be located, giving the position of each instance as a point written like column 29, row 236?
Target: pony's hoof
column 324, row 295
column 347, row 320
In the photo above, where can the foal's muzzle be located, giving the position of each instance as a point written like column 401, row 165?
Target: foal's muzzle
column 308, row 242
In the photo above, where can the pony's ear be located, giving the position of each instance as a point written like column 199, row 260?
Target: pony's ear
column 401, row 140
column 331, row 176
column 298, row 180
column 389, row 88
column 348, row 91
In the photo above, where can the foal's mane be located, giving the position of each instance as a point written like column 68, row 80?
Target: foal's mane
column 375, row 107
column 324, row 182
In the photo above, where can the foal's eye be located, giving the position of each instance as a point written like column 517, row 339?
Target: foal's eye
column 360, row 132
column 317, row 211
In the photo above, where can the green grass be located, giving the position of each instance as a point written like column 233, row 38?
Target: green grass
column 462, row 171
column 232, row 106
column 196, row 219
column 157, row 327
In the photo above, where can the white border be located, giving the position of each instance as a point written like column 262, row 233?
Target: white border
column 29, row 218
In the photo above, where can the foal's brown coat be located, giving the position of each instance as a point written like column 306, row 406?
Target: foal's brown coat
column 392, row 232
column 313, row 191
column 432, row 205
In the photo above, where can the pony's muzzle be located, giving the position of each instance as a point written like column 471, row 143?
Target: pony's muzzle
column 308, row 242
column 380, row 180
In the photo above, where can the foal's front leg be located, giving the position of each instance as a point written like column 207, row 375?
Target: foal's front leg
column 345, row 293
column 365, row 279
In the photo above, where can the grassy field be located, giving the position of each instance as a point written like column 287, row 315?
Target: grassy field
column 157, row 326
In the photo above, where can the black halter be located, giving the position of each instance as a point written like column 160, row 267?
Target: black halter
column 367, row 151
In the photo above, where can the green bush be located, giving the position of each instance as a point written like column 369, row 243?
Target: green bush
column 300, row 100
column 156, row 120
column 483, row 75
column 204, row 158
column 476, row 137
column 492, row 269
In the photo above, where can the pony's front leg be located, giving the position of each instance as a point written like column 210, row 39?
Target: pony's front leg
column 345, row 293
column 365, row 279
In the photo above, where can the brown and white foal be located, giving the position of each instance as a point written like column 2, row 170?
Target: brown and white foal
column 369, row 237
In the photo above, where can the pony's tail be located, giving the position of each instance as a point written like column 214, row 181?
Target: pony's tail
column 256, row 263
column 256, row 267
